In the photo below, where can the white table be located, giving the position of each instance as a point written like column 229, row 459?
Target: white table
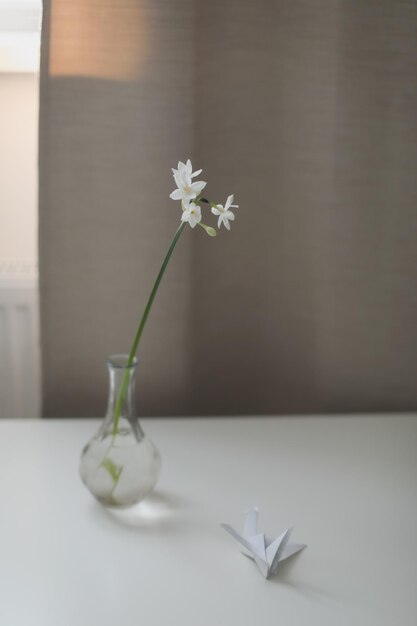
column 347, row 484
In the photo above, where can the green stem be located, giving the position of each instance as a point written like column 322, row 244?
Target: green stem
column 123, row 387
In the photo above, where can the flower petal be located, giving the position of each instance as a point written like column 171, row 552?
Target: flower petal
column 194, row 220
column 198, row 186
column 189, row 196
column 179, row 179
column 228, row 202
column 176, row 195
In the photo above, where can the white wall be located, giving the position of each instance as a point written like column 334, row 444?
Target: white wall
column 19, row 323
column 18, row 170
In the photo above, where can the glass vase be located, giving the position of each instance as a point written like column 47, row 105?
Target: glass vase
column 120, row 466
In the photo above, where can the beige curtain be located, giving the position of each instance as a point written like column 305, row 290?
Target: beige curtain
column 307, row 112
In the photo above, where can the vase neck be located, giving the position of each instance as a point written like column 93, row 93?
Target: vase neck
column 121, row 375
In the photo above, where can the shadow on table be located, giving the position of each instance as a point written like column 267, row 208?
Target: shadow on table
column 285, row 576
column 161, row 509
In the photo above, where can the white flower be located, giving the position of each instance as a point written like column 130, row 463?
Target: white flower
column 187, row 189
column 191, row 213
column 224, row 212
column 186, row 168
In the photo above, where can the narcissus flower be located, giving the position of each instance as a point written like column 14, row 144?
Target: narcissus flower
column 187, row 189
column 191, row 213
column 188, row 192
column 224, row 212
column 186, row 168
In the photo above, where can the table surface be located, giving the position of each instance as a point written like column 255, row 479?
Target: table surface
column 347, row 485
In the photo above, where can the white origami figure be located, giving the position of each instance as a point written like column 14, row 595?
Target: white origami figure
column 265, row 552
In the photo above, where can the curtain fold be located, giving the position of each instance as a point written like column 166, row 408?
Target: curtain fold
column 307, row 114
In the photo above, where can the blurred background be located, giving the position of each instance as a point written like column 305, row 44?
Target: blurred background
column 305, row 111
column 20, row 368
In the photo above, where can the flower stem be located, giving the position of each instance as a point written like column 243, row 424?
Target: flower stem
column 123, row 387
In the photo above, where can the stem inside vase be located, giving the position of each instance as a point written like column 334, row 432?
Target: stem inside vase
column 120, row 469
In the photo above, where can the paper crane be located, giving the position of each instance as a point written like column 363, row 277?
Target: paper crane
column 265, row 552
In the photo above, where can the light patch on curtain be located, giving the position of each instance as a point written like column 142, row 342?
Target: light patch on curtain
column 96, row 38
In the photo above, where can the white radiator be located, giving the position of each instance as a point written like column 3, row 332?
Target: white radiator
column 19, row 341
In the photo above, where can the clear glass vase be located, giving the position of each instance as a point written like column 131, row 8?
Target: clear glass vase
column 120, row 468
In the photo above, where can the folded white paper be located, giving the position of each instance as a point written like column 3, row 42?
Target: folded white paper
column 266, row 553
